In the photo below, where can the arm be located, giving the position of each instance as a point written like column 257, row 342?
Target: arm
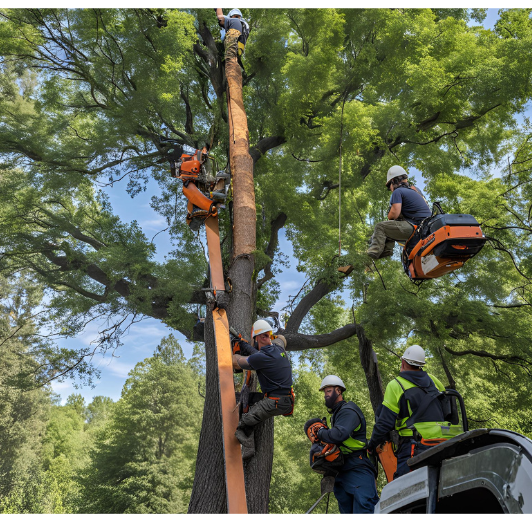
column 240, row 362
column 346, row 421
column 384, row 424
column 395, row 211
column 255, row 361
column 387, row 414
column 220, row 16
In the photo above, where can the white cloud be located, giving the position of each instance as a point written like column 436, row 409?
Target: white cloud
column 153, row 224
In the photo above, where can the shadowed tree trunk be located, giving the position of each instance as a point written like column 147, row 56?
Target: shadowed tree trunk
column 209, row 468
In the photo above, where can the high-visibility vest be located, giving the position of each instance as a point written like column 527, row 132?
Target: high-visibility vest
column 357, row 441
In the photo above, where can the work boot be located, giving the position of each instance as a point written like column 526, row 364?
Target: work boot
column 247, row 441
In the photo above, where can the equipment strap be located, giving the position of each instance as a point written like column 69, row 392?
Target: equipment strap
column 423, row 406
column 361, row 416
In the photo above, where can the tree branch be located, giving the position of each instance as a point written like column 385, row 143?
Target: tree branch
column 450, row 378
column 321, row 289
column 370, row 364
column 265, row 144
column 509, row 359
column 296, row 341
column 277, row 224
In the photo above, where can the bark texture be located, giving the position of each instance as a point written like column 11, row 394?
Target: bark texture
column 241, row 162
column 370, row 364
column 208, row 492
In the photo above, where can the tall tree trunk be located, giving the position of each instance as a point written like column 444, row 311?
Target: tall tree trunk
column 208, row 493
column 241, row 307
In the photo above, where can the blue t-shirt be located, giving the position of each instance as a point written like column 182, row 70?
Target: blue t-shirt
column 273, row 368
column 414, row 208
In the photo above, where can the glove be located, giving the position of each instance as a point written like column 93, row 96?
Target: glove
column 246, row 349
column 236, row 346
column 312, row 431
column 239, row 345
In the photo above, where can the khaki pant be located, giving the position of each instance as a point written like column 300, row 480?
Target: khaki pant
column 231, row 43
column 385, row 235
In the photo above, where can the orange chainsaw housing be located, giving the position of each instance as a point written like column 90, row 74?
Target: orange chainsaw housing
column 190, row 166
column 387, row 459
column 443, row 250
column 199, row 205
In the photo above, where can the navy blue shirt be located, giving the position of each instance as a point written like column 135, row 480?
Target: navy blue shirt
column 345, row 422
column 232, row 23
column 414, row 208
column 273, row 368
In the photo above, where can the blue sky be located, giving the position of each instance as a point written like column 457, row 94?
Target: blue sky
column 142, row 339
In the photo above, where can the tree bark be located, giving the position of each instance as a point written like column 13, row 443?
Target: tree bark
column 240, row 313
column 241, row 163
column 370, row 364
column 208, row 492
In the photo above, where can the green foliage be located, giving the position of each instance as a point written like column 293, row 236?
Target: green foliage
column 419, row 87
column 143, row 458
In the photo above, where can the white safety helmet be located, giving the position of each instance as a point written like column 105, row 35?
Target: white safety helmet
column 394, row 171
column 259, row 327
column 414, row 355
column 232, row 12
column 332, row 381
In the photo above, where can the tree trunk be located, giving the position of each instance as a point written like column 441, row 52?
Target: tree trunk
column 208, row 493
column 242, row 303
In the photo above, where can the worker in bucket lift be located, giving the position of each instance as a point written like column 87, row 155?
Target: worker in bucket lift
column 411, row 400
column 345, row 426
column 274, row 372
column 408, row 207
column 236, row 32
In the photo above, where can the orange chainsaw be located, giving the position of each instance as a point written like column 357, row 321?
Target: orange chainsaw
column 203, row 189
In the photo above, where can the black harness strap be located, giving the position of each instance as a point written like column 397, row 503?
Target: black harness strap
column 423, row 406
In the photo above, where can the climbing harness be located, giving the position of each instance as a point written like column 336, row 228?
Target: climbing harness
column 277, row 398
column 205, row 193
column 440, row 244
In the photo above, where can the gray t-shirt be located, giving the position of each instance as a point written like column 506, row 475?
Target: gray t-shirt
column 414, row 208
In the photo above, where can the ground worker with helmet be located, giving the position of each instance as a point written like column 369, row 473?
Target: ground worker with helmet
column 408, row 207
column 411, row 400
column 345, row 426
column 236, row 32
column 274, row 372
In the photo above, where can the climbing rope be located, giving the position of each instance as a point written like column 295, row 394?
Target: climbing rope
column 340, row 182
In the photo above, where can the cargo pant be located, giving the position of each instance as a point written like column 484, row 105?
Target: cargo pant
column 355, row 489
column 407, row 449
column 262, row 410
column 385, row 234
column 231, row 43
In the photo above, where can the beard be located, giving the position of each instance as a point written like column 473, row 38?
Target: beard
column 330, row 400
